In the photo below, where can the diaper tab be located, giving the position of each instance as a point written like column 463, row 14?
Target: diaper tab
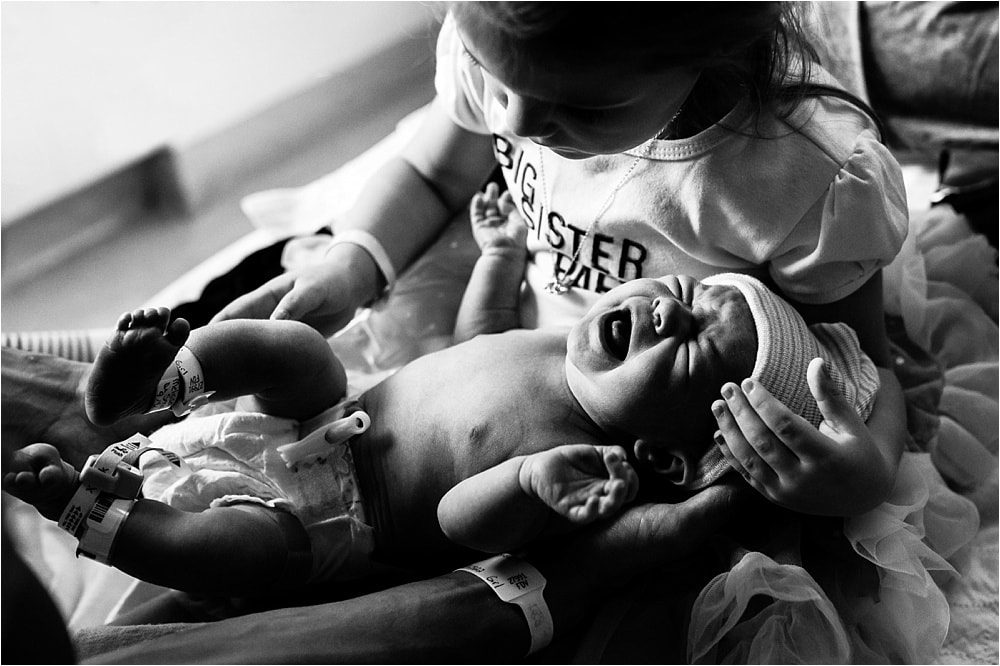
column 321, row 442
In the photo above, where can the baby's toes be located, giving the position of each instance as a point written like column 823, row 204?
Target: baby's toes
column 160, row 317
column 14, row 484
column 124, row 322
column 149, row 318
column 177, row 331
column 155, row 318
column 23, row 485
column 53, row 475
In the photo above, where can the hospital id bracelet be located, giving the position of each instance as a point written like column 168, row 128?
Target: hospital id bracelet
column 103, row 524
column 517, row 582
column 372, row 246
column 74, row 516
column 182, row 386
column 114, row 470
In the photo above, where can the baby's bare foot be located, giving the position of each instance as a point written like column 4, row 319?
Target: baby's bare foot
column 40, row 477
column 130, row 365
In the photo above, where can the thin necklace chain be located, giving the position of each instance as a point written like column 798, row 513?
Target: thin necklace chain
column 559, row 285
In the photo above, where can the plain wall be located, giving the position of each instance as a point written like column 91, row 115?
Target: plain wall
column 89, row 87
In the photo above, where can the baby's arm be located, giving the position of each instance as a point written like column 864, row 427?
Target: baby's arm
column 491, row 300
column 521, row 499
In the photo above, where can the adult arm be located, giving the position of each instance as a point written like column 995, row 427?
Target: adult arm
column 846, row 466
column 43, row 401
column 404, row 207
column 455, row 617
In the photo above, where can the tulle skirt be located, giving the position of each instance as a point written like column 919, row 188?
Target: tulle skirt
column 885, row 603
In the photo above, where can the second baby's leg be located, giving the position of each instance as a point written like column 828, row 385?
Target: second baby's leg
column 286, row 365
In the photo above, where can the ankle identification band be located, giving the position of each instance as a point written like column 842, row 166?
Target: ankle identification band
column 182, row 387
column 103, row 523
column 109, row 484
column 517, row 582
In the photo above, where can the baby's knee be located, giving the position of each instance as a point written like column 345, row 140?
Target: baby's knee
column 306, row 349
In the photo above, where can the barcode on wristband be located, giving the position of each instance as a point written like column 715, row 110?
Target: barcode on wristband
column 100, row 510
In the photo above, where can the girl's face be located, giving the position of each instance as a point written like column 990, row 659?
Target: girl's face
column 578, row 107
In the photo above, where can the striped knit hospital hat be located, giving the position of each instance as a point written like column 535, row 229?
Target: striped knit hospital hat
column 785, row 346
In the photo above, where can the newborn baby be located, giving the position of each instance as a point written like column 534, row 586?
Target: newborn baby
column 488, row 444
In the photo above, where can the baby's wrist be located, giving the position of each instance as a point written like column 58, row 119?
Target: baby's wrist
column 505, row 248
column 526, row 476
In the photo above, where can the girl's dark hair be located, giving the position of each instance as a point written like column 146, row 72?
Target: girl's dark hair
column 756, row 48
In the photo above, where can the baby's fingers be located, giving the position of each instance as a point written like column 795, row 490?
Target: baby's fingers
column 491, row 193
column 586, row 511
column 619, row 469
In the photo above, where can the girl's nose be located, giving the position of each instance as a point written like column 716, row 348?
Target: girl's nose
column 526, row 117
column 671, row 317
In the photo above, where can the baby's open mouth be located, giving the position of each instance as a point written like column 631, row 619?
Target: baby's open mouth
column 617, row 332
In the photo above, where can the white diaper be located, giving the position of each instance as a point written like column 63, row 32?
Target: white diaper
column 233, row 459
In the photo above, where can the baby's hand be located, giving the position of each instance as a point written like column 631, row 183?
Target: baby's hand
column 496, row 223
column 581, row 482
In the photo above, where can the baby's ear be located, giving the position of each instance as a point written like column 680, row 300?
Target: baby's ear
column 663, row 459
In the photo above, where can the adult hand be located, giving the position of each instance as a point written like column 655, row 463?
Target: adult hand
column 835, row 470
column 324, row 295
column 646, row 536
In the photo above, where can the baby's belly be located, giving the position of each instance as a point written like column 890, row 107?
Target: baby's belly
column 402, row 483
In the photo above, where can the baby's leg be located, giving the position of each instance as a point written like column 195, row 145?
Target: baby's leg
column 231, row 550
column 286, row 365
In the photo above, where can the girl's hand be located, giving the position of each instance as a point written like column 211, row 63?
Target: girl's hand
column 325, row 295
column 835, row 470
column 582, row 483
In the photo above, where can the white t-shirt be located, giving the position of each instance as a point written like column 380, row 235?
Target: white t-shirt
column 817, row 209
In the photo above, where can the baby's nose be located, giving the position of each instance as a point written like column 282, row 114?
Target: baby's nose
column 671, row 317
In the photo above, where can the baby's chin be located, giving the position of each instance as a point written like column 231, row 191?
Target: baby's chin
column 577, row 382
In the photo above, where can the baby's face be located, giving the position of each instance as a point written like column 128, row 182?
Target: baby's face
column 650, row 347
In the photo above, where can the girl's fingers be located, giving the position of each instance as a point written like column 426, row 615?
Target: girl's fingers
column 791, row 436
column 756, row 419
column 735, row 444
column 837, row 413
column 720, row 442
